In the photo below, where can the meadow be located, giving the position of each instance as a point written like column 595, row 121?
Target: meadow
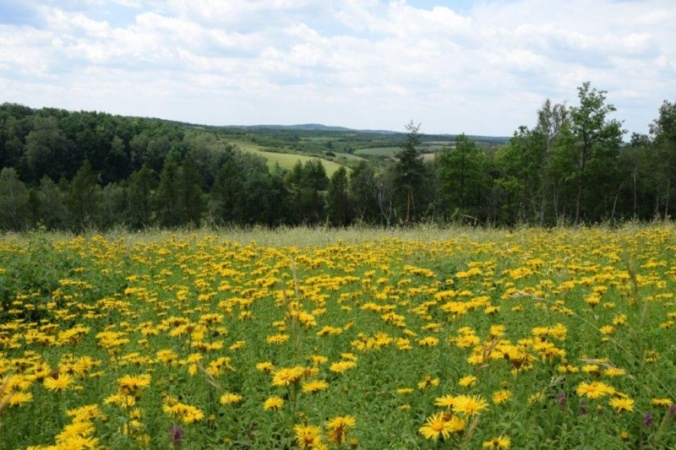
column 330, row 339
column 287, row 160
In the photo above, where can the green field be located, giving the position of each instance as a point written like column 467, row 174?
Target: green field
column 285, row 160
column 389, row 152
column 309, row 338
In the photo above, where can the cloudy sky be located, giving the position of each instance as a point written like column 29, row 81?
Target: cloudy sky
column 479, row 67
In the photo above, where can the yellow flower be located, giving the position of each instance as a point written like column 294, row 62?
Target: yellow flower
column 75, row 430
column 441, row 424
column 277, row 338
column 59, row 383
column 342, row 366
column 661, row 402
column 287, row 376
column 446, row 401
column 469, row 405
column 19, row 398
column 307, row 436
column 167, row 356
column 501, row 396
column 265, row 367
column 429, row 341
column 273, row 403
column 315, row 386
column 338, row 427
column 186, row 413
column 121, row 400
column 428, row 382
column 318, row 359
column 84, row 413
column 229, row 398
column 497, row 330
column 614, row 372
column 595, row 389
column 621, row 404
column 469, row 380
column 500, row 442
column 131, row 383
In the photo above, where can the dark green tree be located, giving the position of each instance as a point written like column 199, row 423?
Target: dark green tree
column 48, row 151
column 597, row 144
column 83, row 198
column 112, row 208
column 637, row 168
column 13, row 201
column 192, row 201
column 463, row 179
column 307, row 184
column 142, row 183
column 338, row 199
column 663, row 131
column 386, row 183
column 364, row 193
column 227, row 194
column 52, row 208
column 117, row 166
column 168, row 198
column 409, row 174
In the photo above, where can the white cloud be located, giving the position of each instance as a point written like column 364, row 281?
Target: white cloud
column 358, row 63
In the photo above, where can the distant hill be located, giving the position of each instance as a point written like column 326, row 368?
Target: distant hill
column 304, row 127
column 330, row 128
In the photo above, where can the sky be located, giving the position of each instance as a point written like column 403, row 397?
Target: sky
column 459, row 66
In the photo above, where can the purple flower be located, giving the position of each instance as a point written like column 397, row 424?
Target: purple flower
column 672, row 410
column 176, row 436
column 648, row 420
column 562, row 400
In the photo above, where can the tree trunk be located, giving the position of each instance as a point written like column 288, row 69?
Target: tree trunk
column 635, row 194
column 666, row 201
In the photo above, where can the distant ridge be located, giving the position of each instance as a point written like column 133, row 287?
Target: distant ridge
column 310, row 127
column 321, row 127
column 305, row 127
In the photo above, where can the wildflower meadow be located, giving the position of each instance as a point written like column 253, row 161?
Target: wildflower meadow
column 455, row 338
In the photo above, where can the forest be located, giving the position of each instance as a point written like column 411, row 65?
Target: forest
column 79, row 171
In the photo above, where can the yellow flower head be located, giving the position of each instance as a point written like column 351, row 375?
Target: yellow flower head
column 500, row 442
column 273, row 403
column 621, row 404
column 265, row 367
column 595, row 389
column 59, row 383
column 308, row 436
column 441, row 425
column 338, row 427
column 469, row 405
column 501, row 396
column 132, row 383
column 315, row 386
column 466, row 381
column 229, row 398
column 428, row 382
column 342, row 366
column 446, row 401
column 287, row 376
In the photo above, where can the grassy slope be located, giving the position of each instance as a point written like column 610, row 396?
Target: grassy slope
column 286, row 160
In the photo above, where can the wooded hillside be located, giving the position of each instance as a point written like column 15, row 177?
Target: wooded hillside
column 90, row 170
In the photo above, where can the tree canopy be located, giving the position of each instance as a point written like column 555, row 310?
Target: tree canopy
column 88, row 170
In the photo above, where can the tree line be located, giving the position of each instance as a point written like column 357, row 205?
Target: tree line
column 86, row 170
